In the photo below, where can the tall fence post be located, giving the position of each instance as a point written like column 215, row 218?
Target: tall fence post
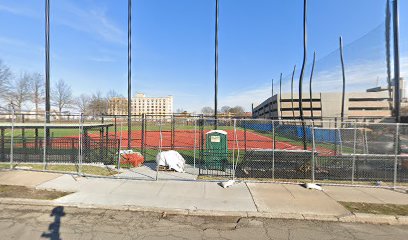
column 273, row 149
column 353, row 164
column 160, row 148
column 116, row 128
column 335, row 136
column 45, row 142
column 80, row 129
column 2, row 142
column 245, row 140
column 313, row 152
column 173, row 123
column 233, row 148
column 142, row 135
column 201, row 125
column 120, row 145
column 12, row 141
column 195, row 142
column 396, row 148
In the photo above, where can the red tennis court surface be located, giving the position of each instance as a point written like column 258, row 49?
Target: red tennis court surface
column 185, row 139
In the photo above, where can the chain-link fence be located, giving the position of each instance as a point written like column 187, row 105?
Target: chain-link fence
column 328, row 151
column 65, row 143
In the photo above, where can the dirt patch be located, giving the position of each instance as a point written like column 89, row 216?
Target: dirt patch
column 375, row 208
column 8, row 191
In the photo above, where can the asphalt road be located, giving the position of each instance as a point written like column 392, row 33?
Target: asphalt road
column 38, row 222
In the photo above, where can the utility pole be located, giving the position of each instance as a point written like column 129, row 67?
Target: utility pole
column 310, row 86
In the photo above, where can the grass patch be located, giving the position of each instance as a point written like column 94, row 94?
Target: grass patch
column 9, row 191
column 375, row 208
column 86, row 169
column 4, row 166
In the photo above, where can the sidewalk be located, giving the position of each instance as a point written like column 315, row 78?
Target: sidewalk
column 208, row 198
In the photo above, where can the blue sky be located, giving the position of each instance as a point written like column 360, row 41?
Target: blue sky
column 173, row 44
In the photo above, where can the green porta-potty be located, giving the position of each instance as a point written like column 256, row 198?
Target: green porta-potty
column 216, row 150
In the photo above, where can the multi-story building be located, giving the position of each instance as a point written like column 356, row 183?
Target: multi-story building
column 374, row 104
column 117, row 106
column 142, row 105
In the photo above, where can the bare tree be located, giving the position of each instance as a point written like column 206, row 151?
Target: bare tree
column 37, row 90
column 19, row 91
column 207, row 110
column 113, row 94
column 5, row 78
column 225, row 109
column 237, row 110
column 98, row 104
column 83, row 102
column 61, row 95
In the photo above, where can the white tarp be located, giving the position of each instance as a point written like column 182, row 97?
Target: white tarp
column 172, row 159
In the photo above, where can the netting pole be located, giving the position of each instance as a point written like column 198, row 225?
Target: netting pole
column 396, row 146
column 273, row 150
column 353, row 164
column 12, row 140
column 313, row 152
column 310, row 86
column 291, row 92
column 397, row 97
column 344, row 81
column 129, row 76
column 302, row 72
column 195, row 141
column 216, row 67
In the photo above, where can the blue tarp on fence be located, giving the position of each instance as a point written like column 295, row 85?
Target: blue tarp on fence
column 321, row 135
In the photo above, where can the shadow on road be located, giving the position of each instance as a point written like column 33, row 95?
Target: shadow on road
column 54, row 228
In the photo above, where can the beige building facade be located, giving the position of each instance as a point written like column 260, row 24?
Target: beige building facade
column 370, row 105
column 142, row 105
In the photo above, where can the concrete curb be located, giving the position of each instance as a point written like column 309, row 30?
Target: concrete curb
column 350, row 218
